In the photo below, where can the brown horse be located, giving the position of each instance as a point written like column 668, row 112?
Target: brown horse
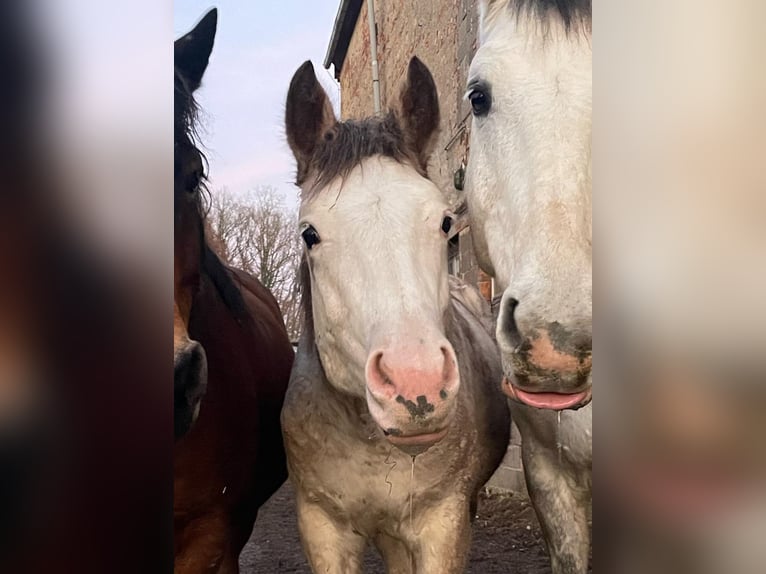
column 232, row 459
column 85, row 441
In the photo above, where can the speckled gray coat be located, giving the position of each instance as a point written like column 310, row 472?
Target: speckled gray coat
column 354, row 488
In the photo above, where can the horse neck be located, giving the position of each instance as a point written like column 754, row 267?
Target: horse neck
column 219, row 291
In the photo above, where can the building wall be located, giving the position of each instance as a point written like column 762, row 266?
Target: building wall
column 444, row 35
column 428, row 30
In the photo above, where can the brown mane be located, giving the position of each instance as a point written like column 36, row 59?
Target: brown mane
column 348, row 143
column 186, row 123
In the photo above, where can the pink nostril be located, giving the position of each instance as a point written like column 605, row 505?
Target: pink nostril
column 394, row 374
column 381, row 370
column 451, row 377
column 378, row 380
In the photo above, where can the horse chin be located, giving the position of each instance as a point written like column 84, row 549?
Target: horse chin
column 416, row 444
column 411, row 435
column 553, row 401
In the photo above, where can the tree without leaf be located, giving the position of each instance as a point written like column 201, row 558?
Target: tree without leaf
column 258, row 234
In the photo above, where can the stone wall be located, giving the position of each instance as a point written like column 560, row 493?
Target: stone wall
column 443, row 34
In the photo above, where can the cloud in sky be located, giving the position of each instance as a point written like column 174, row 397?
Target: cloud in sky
column 258, row 47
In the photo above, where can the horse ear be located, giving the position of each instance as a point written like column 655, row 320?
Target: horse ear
column 488, row 9
column 308, row 115
column 486, row 5
column 192, row 51
column 418, row 111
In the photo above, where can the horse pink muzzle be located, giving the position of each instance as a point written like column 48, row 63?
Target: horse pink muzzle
column 412, row 391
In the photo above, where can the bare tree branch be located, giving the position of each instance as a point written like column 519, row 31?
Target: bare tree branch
column 258, row 234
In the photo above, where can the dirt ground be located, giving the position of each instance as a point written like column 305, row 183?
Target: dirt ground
column 506, row 539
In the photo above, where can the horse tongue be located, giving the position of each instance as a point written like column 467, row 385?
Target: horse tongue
column 552, row 401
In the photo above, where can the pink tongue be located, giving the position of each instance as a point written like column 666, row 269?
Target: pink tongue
column 553, row 401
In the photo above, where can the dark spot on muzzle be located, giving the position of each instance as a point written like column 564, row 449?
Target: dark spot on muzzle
column 419, row 410
column 573, row 342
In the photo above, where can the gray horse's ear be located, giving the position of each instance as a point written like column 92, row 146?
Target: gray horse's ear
column 486, row 9
column 486, row 5
column 192, row 51
column 418, row 111
column 308, row 115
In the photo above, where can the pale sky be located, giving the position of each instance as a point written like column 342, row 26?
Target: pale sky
column 258, row 47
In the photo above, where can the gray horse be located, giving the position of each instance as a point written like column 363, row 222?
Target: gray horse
column 529, row 200
column 394, row 418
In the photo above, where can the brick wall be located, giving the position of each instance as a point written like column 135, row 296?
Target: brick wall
column 443, row 34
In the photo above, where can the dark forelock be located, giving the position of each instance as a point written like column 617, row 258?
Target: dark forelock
column 348, row 143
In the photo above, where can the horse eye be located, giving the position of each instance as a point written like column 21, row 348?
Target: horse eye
column 310, row 236
column 481, row 101
column 446, row 224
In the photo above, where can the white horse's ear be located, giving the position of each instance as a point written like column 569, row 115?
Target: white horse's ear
column 486, row 5
column 192, row 51
column 418, row 111
column 308, row 115
column 488, row 10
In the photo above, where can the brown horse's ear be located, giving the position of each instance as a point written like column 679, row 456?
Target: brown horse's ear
column 308, row 115
column 192, row 51
column 418, row 111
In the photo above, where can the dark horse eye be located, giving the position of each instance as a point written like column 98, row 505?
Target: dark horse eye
column 481, row 101
column 446, row 224
column 310, row 236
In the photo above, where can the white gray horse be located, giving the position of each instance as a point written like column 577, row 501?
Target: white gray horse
column 392, row 421
column 529, row 200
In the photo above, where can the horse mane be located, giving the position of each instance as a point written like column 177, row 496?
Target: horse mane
column 186, row 112
column 572, row 13
column 349, row 142
column 186, row 124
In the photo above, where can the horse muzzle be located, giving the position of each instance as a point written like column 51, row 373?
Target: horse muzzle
column 189, row 386
column 412, row 392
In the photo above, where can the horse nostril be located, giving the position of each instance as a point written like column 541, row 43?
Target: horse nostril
column 507, row 330
column 190, row 383
column 189, row 362
column 450, row 374
column 197, row 359
column 380, row 370
column 190, row 376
